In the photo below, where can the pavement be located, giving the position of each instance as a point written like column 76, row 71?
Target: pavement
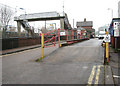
column 115, row 65
column 9, row 51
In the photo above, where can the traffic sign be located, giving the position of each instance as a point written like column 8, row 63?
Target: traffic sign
column 107, row 38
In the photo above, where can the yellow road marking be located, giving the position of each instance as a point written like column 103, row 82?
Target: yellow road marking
column 97, row 76
column 20, row 52
column 91, row 76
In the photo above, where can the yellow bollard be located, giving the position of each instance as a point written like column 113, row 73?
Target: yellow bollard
column 107, row 51
column 42, row 44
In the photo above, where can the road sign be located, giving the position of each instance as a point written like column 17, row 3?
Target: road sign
column 62, row 33
column 107, row 38
column 51, row 25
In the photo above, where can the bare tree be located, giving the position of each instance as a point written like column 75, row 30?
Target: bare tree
column 5, row 16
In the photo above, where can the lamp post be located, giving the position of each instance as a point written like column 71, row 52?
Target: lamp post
column 25, row 21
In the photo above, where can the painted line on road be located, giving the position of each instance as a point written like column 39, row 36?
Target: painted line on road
column 97, row 76
column 92, row 75
column 20, row 52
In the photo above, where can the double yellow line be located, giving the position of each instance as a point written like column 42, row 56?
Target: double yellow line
column 94, row 73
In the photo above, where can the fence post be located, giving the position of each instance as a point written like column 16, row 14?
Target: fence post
column 83, row 35
column 72, row 34
column 59, row 38
column 80, row 34
column 54, row 39
column 67, row 35
column 77, row 35
column 87, row 35
column 42, row 44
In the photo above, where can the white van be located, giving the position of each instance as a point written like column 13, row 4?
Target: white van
column 101, row 35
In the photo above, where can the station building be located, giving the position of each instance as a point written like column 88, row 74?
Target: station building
column 88, row 25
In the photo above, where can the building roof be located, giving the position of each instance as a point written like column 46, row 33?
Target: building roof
column 85, row 23
column 114, row 20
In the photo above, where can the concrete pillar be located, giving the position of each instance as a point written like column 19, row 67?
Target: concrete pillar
column 19, row 28
column 62, row 23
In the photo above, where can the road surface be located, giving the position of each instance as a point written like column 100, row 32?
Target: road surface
column 81, row 63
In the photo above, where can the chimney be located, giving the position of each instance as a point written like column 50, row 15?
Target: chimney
column 84, row 19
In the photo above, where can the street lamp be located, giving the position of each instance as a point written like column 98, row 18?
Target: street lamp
column 25, row 21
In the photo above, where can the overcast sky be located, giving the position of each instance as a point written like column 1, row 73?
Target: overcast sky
column 93, row 10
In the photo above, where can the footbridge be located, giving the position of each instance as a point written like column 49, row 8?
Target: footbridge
column 23, row 20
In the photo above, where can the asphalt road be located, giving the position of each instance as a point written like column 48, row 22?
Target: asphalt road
column 81, row 63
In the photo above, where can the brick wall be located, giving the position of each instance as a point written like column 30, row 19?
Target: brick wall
column 10, row 43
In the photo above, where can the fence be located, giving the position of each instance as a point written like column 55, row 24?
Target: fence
column 62, row 35
column 10, row 43
column 50, row 39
